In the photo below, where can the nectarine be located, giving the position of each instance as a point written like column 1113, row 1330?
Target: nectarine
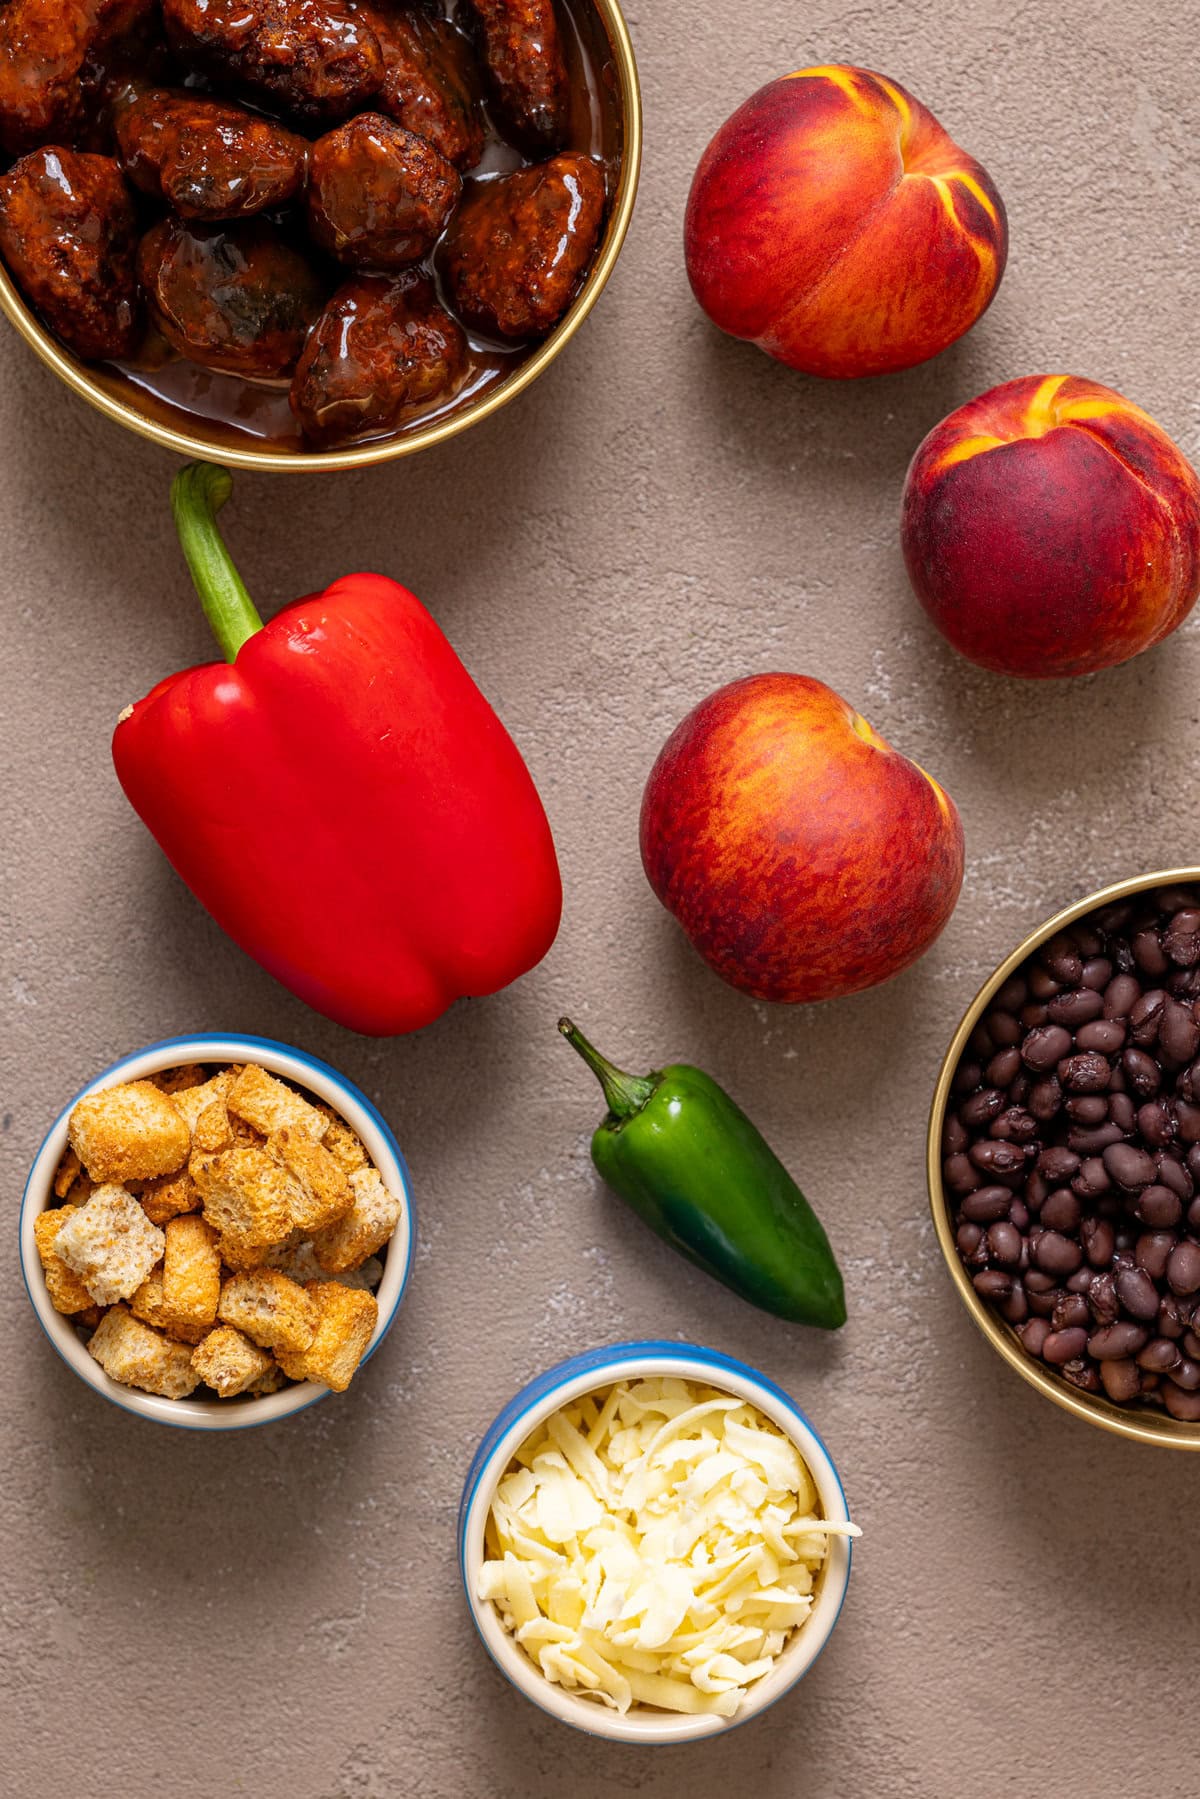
column 803, row 856
column 1052, row 528
column 833, row 222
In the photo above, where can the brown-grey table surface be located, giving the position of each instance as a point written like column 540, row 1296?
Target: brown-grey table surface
column 278, row 1614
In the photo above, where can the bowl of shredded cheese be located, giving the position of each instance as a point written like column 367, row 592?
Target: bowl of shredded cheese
column 654, row 1542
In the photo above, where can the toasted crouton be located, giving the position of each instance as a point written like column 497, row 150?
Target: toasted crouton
column 191, row 1274
column 341, row 1142
column 168, row 1197
column 270, row 1382
column 110, row 1244
column 299, row 1262
column 192, row 1101
column 67, row 1292
column 247, row 1196
column 346, row 1322
column 67, row 1173
column 136, row 1356
column 272, row 1310
column 212, row 1131
column 229, row 1362
column 128, row 1133
column 147, row 1304
column 176, row 1080
column 324, row 1192
column 270, row 1106
column 365, row 1228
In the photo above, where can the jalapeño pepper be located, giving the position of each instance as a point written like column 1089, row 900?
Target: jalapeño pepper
column 688, row 1160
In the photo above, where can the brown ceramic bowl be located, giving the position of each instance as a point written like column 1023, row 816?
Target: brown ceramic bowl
column 1143, row 1425
column 618, row 99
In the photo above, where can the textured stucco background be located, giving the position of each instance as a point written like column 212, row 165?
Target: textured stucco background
column 278, row 1615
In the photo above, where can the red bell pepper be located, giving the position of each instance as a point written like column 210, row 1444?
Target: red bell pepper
column 340, row 795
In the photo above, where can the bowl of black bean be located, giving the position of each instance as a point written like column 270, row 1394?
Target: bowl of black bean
column 1064, row 1159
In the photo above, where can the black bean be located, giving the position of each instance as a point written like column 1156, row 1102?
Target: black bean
column 1137, row 1293
column 1148, row 954
column 1014, row 1125
column 1041, row 1304
column 1181, row 939
column 1058, row 1163
column 1152, row 1251
column 1097, row 973
column 1064, row 1346
column 980, row 1043
column 1033, row 1335
column 1075, row 1008
column 1003, row 1029
column 1003, row 1068
column 1120, row 1339
column 1082, row 1374
column 1003, row 1161
column 1114, row 918
column 1043, row 986
column 982, row 1106
column 1186, row 1374
column 1190, row 1344
column 1156, row 1122
column 1012, row 996
column 969, row 1241
column 1090, row 1110
column 1056, row 1254
column 1061, row 956
column 1087, row 939
column 1172, row 899
column 1121, row 994
column 1173, row 1174
column 1061, row 1211
column 1015, row 1309
column 1091, row 1180
column 1121, row 1111
column 1045, row 1047
column 991, row 1284
column 954, row 1136
column 1145, row 1017
column 1179, row 1034
column 1102, row 1298
column 1035, row 1190
column 1172, row 1318
column 1098, row 1240
column 1183, row 1268
column 1032, row 1016
column 1093, row 1142
column 1188, row 1115
column 1085, row 1073
column 1183, row 1406
column 1193, row 1217
column 1070, row 1312
column 1158, row 1355
column 986, row 1205
column 1081, row 1280
column 1142, row 1072
column 1019, row 1214
column 1159, row 1207
column 1121, row 1380
column 967, row 1077
column 1131, row 1168
column 1103, row 1034
column 1004, row 1244
column 1045, row 1098
column 960, row 1175
column 1037, row 1282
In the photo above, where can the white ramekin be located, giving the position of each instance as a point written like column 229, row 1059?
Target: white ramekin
column 305, row 1071
column 557, row 1388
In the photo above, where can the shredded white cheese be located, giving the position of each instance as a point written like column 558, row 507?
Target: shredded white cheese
column 656, row 1543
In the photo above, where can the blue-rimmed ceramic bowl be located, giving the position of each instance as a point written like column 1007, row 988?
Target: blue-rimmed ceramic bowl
column 319, row 1079
column 558, row 1387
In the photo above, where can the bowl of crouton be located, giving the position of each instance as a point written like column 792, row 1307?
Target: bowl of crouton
column 217, row 1232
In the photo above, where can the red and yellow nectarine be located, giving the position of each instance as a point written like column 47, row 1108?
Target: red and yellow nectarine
column 833, row 222
column 803, row 856
column 1050, row 527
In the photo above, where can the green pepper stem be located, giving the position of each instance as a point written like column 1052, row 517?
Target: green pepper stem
column 198, row 493
column 626, row 1093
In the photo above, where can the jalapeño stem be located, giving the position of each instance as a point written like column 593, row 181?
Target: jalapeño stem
column 626, row 1093
column 198, row 493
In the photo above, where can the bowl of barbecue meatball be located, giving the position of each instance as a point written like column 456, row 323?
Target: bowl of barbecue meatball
column 1064, row 1159
column 310, row 233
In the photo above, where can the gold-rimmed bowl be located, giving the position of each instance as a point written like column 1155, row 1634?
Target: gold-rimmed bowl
column 1140, row 1424
column 618, row 95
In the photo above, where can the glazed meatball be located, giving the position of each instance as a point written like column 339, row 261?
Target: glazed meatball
column 45, row 46
column 379, row 196
column 518, row 245
column 208, row 160
column 428, row 82
column 314, row 58
column 69, row 237
column 382, row 345
column 233, row 297
column 522, row 51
